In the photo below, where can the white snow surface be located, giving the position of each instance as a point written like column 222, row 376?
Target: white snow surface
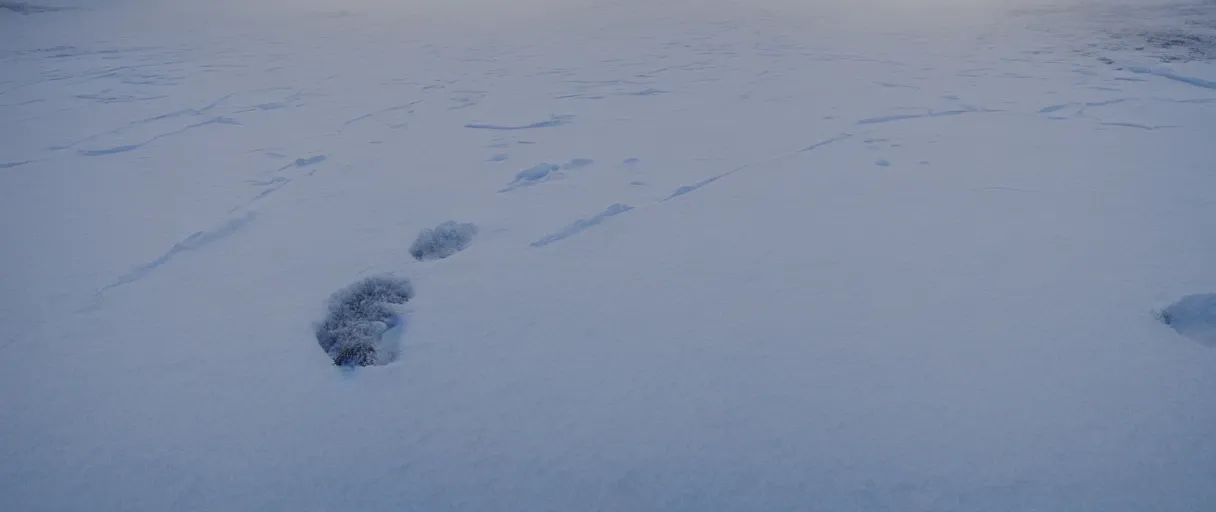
column 805, row 255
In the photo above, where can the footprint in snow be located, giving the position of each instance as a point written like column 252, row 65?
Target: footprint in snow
column 1194, row 317
column 543, row 172
column 356, row 331
column 445, row 240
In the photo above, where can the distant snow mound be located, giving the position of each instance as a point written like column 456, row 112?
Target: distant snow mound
column 445, row 240
column 1194, row 316
column 359, row 315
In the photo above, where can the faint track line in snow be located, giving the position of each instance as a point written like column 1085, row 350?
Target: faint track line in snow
column 1135, row 125
column 823, row 143
column 931, row 113
column 270, row 182
column 101, row 98
column 160, row 117
column 271, row 187
column 350, row 122
column 10, row 165
column 1055, row 108
column 195, row 241
column 644, row 92
column 891, row 85
column 355, row 120
column 130, row 147
column 1115, row 101
column 278, row 182
column 187, row 112
column 1165, row 73
column 24, row 8
column 301, row 163
column 1196, row 101
column 1005, row 188
column 580, row 225
column 607, row 82
column 690, row 188
column 553, row 121
column 1082, row 107
column 544, row 172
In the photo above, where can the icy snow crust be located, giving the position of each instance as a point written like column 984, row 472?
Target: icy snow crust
column 781, row 255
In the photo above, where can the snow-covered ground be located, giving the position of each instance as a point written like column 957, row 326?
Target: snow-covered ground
column 744, row 256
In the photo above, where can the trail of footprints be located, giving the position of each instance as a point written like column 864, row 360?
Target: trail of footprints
column 365, row 318
column 358, row 329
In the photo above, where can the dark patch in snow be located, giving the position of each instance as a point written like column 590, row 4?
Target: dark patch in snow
column 445, row 240
column 498, row 158
column 359, row 315
column 1194, row 317
column 882, row 163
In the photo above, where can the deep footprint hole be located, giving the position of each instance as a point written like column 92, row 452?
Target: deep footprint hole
column 444, row 240
column 364, row 321
column 1194, row 317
